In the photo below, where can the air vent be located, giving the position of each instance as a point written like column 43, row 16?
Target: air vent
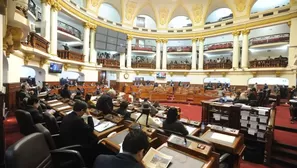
column 100, row 18
column 268, row 14
column 188, row 30
column 228, row 23
column 144, row 29
column 284, row 10
column 179, row 31
column 170, row 31
column 135, row 28
column 153, row 30
column 108, row 21
column 217, row 25
column 118, row 24
column 205, row 28
column 254, row 17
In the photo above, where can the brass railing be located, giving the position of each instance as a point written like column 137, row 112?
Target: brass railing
column 275, row 38
column 69, row 29
column 143, row 47
column 70, row 55
column 109, row 63
column 144, row 65
column 180, row 49
column 225, row 65
column 276, row 62
column 179, row 66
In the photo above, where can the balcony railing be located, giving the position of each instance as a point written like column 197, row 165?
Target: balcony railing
column 276, row 62
column 275, row 38
column 144, row 65
column 225, row 65
column 143, row 48
column 36, row 41
column 70, row 55
column 218, row 46
column 69, row 29
column 179, row 66
column 180, row 49
column 109, row 63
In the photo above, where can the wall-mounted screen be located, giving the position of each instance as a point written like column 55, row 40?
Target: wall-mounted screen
column 161, row 75
column 55, row 68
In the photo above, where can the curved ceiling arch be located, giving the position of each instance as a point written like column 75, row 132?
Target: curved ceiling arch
column 219, row 14
column 109, row 12
column 180, row 10
column 262, row 5
column 147, row 10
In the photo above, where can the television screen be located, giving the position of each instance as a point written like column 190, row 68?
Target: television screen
column 161, row 75
column 55, row 68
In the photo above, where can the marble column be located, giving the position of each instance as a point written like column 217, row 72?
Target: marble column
column 122, row 60
column 46, row 20
column 245, row 48
column 54, row 28
column 236, row 51
column 194, row 53
column 129, row 50
column 93, row 53
column 158, row 54
column 86, row 46
column 293, row 43
column 201, row 53
column 164, row 56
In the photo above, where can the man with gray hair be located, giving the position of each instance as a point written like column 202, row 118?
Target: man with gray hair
column 104, row 103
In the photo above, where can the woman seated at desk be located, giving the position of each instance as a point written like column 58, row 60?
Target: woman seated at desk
column 173, row 124
column 78, row 96
column 145, row 116
column 89, row 101
column 123, row 110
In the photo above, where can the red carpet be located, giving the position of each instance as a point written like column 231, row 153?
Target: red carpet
column 192, row 112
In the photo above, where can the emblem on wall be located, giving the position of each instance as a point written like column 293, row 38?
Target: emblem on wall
column 163, row 12
column 130, row 9
column 197, row 10
column 240, row 5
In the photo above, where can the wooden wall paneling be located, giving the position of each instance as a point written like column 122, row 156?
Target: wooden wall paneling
column 2, row 135
column 10, row 97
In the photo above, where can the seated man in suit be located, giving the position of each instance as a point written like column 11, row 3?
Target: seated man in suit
column 104, row 103
column 133, row 150
column 74, row 131
column 78, row 96
column 173, row 124
column 153, row 110
column 33, row 107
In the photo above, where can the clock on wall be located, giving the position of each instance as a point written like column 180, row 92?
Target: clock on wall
column 126, row 75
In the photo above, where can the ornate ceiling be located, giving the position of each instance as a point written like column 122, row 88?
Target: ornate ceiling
column 162, row 11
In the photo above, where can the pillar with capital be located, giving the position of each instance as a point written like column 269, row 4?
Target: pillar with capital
column 236, row 51
column 54, row 27
column 122, row 60
column 158, row 53
column 46, row 19
column 93, row 53
column 194, row 53
column 245, row 48
column 129, row 50
column 201, row 53
column 86, row 46
column 164, row 56
column 292, row 60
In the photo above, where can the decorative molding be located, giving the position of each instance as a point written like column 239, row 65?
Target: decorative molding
column 137, row 72
column 163, row 15
column 90, row 25
column 56, row 5
column 194, row 40
column 277, row 73
column 197, row 11
column 27, row 58
column 66, row 66
column 171, row 74
column 201, row 39
column 130, row 9
column 208, row 74
column 289, row 23
column 158, row 40
column 263, row 22
column 186, row 74
column 42, row 62
column 151, row 73
column 254, row 74
column 245, row 32
column 95, row 3
column 80, row 68
column 12, row 40
column 8, row 43
column 224, row 74
column 164, row 40
column 49, row 2
column 129, row 37
column 240, row 5
column 236, row 33
column 293, row 2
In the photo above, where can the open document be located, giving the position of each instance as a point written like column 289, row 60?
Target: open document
column 156, row 159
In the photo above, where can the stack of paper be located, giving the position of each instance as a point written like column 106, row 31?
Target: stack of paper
column 56, row 104
column 253, row 118
column 253, row 124
column 104, row 126
column 262, row 127
column 252, row 131
column 263, row 119
column 63, row 108
column 156, row 159
column 244, row 123
column 223, row 137
column 217, row 117
column 190, row 129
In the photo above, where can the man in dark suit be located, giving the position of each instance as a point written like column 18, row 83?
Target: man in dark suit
column 74, row 131
column 133, row 150
column 123, row 110
column 104, row 103
column 33, row 107
column 65, row 93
